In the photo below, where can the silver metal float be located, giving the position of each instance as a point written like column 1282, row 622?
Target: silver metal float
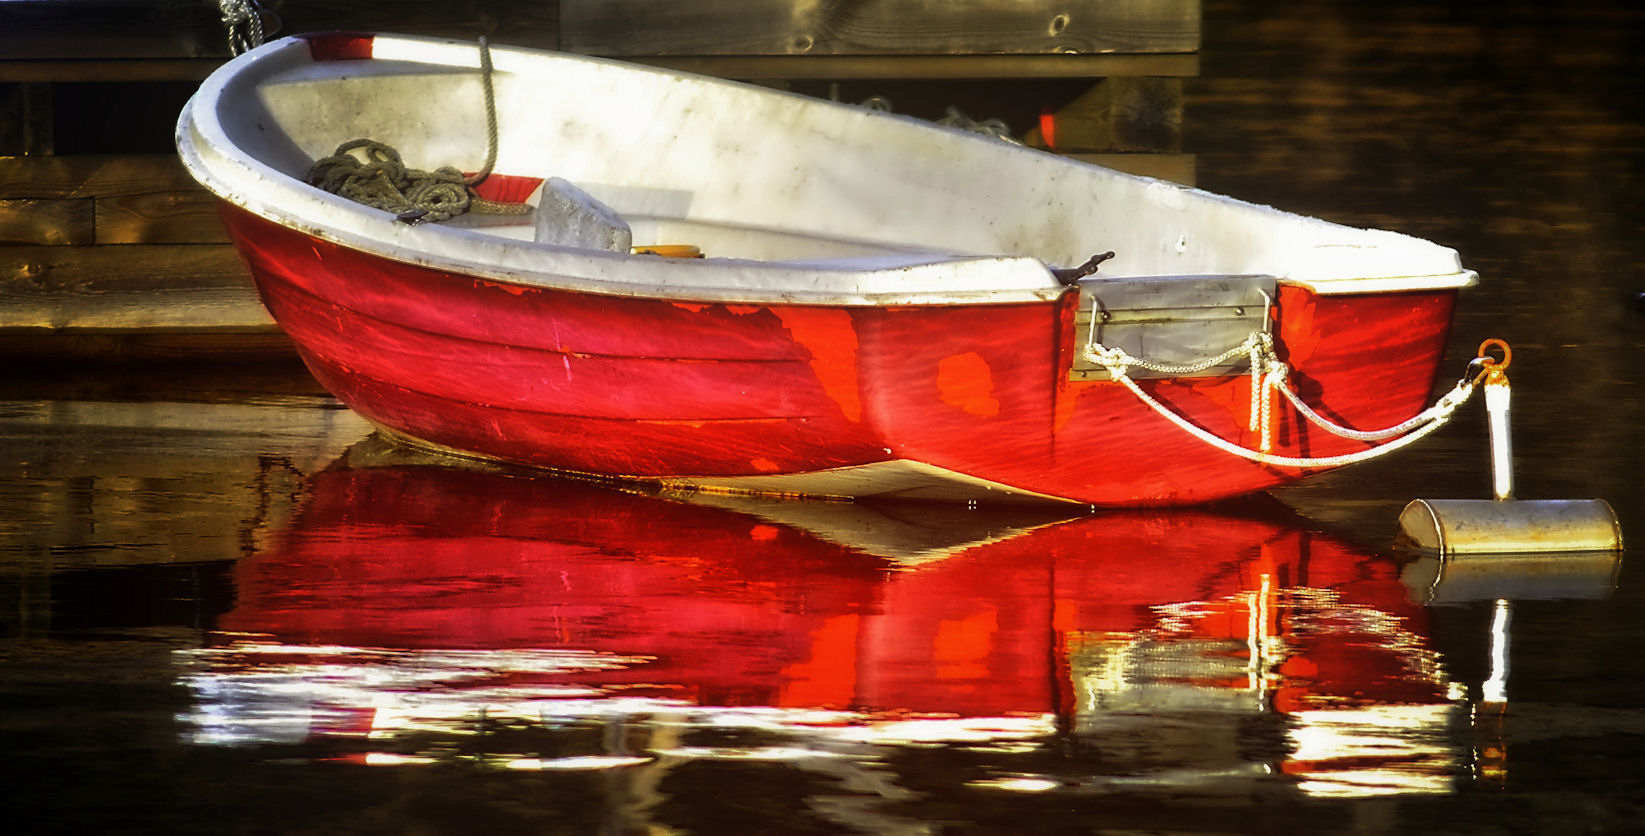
column 1505, row 525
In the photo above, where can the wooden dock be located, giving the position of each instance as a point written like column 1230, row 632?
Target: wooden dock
column 109, row 250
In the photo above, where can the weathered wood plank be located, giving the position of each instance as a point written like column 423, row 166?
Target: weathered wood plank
column 127, row 287
column 35, row 271
column 49, row 222
column 139, row 199
column 224, row 310
column 93, row 176
column 867, row 27
column 168, row 218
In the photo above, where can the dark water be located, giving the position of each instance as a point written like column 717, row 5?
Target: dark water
column 225, row 609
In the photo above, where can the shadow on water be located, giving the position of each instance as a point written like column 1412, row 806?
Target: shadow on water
column 226, row 610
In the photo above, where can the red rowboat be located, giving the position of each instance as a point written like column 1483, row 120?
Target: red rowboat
column 885, row 306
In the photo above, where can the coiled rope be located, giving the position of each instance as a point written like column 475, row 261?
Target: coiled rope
column 372, row 173
column 1269, row 375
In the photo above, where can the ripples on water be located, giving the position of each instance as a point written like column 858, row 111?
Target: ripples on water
column 383, row 641
column 232, row 612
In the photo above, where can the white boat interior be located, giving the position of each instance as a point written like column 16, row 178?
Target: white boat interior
column 789, row 198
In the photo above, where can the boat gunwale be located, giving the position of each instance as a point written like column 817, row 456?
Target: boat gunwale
column 254, row 185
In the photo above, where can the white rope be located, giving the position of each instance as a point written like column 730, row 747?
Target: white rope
column 1268, row 374
column 1465, row 388
column 1432, row 413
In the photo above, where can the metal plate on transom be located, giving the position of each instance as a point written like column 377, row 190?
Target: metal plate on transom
column 1170, row 320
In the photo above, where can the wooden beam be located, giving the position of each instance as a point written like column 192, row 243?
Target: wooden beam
column 876, row 27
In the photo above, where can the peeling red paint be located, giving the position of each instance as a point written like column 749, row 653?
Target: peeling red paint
column 511, row 289
column 831, row 338
column 965, row 381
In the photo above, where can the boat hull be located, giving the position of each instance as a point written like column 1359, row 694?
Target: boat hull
column 949, row 401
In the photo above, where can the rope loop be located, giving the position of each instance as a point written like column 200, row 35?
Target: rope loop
column 1268, row 376
column 1115, row 360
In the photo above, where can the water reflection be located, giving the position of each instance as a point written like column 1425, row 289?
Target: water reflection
column 416, row 615
column 1502, row 579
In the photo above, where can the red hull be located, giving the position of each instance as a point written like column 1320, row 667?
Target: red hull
column 634, row 387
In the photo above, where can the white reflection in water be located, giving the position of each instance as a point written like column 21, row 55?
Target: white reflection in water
column 1173, row 702
column 254, row 693
column 1378, row 750
column 582, row 762
column 1495, row 688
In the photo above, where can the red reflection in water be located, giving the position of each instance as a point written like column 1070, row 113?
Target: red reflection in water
column 838, row 606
